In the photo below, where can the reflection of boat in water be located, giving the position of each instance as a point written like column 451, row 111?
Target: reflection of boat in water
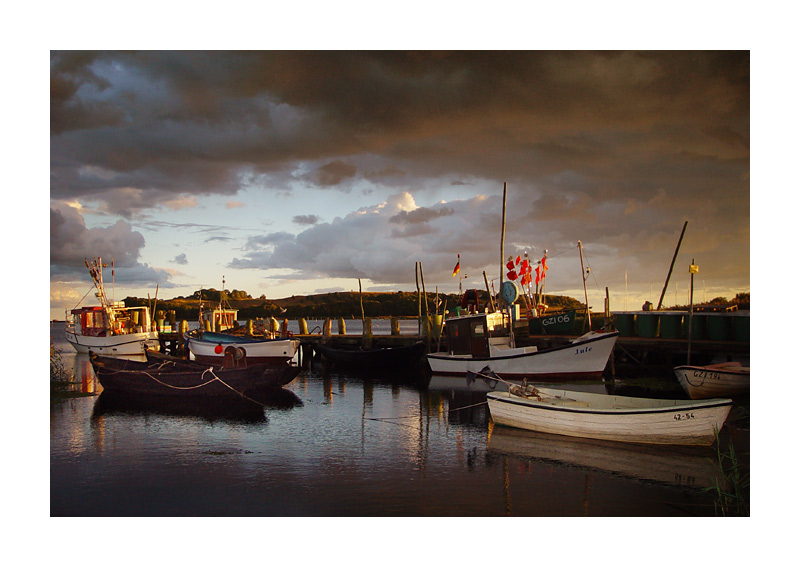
column 211, row 409
column 484, row 382
column 690, row 467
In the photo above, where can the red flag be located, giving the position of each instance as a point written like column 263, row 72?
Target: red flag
column 538, row 276
column 458, row 266
column 512, row 275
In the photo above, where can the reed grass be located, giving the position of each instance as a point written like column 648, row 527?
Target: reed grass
column 59, row 377
column 732, row 487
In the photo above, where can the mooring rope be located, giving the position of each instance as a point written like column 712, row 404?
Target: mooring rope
column 419, row 415
column 202, row 376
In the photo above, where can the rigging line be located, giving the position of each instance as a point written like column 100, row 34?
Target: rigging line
column 84, row 297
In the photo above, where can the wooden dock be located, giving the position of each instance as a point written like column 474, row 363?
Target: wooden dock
column 639, row 350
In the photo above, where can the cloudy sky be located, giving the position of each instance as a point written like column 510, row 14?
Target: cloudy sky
column 290, row 172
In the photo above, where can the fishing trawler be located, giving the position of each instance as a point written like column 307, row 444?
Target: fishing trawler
column 110, row 329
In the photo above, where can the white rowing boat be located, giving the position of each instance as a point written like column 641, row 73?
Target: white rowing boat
column 715, row 380
column 613, row 418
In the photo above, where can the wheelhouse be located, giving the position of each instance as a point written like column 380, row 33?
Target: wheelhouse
column 473, row 334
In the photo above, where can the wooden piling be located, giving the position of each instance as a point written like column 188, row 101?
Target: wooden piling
column 366, row 333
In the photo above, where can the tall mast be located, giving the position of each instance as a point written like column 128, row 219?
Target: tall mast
column 585, row 293
column 503, row 236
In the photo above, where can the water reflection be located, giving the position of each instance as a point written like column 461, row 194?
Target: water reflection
column 221, row 409
column 687, row 467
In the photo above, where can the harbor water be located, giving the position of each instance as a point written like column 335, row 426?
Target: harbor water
column 337, row 444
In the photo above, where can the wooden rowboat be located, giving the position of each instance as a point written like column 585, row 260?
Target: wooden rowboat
column 715, row 380
column 186, row 378
column 612, row 418
column 214, row 348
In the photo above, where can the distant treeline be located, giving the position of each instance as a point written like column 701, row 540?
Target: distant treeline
column 320, row 306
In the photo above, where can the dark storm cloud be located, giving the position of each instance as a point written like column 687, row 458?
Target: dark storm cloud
column 195, row 122
column 616, row 148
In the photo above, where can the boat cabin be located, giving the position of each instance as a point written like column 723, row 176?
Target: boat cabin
column 219, row 319
column 477, row 334
column 94, row 321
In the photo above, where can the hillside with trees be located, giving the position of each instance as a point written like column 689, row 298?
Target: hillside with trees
column 346, row 304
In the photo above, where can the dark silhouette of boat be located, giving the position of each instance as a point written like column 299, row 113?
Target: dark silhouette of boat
column 169, row 376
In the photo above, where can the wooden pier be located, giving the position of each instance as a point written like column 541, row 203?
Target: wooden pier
column 641, row 350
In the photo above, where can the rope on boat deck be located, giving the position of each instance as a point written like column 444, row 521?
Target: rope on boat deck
column 523, row 391
column 210, row 370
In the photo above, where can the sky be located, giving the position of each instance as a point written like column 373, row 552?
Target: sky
column 299, row 172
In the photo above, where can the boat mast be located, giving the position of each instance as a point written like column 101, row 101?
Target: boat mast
column 672, row 265
column 96, row 271
column 585, row 293
column 503, row 237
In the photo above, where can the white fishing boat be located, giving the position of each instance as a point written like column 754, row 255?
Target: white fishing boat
column 714, row 380
column 213, row 348
column 110, row 329
column 611, row 418
column 478, row 340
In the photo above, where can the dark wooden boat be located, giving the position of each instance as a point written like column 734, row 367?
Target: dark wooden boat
column 169, row 376
column 390, row 358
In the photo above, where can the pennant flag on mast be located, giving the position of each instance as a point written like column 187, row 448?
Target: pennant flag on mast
column 458, row 266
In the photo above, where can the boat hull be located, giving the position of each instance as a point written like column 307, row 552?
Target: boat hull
column 583, row 358
column 212, row 347
column 184, row 380
column 612, row 418
column 703, row 382
column 393, row 358
column 132, row 344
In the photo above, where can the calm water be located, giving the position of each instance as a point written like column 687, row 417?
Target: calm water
column 344, row 445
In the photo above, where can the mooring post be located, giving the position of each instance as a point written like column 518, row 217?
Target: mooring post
column 366, row 333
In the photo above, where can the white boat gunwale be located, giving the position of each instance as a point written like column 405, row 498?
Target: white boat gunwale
column 505, row 397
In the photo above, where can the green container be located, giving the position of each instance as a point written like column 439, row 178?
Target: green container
column 625, row 324
column 671, row 325
column 719, row 327
column 741, row 328
column 698, row 326
column 647, row 325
